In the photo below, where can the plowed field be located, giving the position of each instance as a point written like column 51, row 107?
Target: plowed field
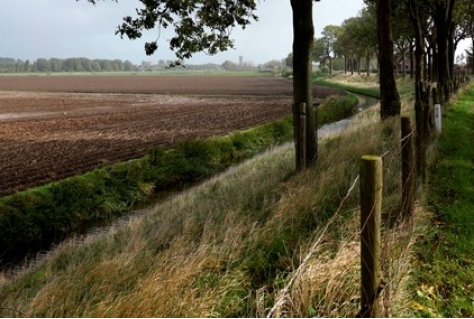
column 52, row 127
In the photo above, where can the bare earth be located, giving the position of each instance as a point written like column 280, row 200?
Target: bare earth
column 53, row 127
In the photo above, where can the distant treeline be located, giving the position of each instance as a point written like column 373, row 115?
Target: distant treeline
column 11, row 65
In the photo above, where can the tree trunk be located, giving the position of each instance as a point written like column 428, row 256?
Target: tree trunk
column 442, row 42
column 451, row 51
column 419, row 106
column 303, row 36
column 472, row 62
column 443, row 17
column 390, row 99
column 412, row 60
column 404, row 71
column 330, row 65
column 367, row 64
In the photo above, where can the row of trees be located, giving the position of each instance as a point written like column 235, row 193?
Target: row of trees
column 390, row 36
column 11, row 65
column 442, row 25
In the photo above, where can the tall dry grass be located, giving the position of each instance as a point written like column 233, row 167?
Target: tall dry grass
column 256, row 236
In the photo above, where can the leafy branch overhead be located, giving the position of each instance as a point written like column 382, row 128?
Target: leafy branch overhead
column 205, row 26
column 199, row 26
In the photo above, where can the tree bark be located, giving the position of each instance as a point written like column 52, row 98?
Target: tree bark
column 443, row 16
column 367, row 64
column 412, row 60
column 419, row 104
column 472, row 62
column 404, row 71
column 303, row 37
column 451, row 50
column 442, row 43
column 390, row 99
column 330, row 65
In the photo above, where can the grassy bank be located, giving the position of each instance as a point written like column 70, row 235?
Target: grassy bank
column 35, row 218
column 38, row 216
column 361, row 84
column 368, row 87
column 443, row 278
column 231, row 246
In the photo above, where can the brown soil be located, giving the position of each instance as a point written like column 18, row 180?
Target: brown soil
column 47, row 132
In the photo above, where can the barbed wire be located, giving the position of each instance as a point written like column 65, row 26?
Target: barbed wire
column 395, row 147
column 285, row 291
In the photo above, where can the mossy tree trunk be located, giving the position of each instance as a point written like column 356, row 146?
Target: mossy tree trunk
column 303, row 37
column 419, row 106
column 443, row 18
column 390, row 99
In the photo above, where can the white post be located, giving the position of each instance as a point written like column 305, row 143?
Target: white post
column 437, row 109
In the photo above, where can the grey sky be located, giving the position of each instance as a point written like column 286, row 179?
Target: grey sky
column 31, row 29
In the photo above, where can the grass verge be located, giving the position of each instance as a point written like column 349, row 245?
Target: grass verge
column 443, row 279
column 350, row 87
column 361, row 84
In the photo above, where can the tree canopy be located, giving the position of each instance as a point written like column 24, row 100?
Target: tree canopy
column 198, row 25
column 206, row 26
column 325, row 47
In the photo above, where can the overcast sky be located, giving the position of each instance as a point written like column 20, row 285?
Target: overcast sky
column 31, row 29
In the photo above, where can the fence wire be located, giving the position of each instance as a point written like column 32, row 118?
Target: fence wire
column 284, row 292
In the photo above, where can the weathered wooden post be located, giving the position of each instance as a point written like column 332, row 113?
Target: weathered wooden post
column 427, row 116
column 371, row 206
column 423, row 133
column 408, row 168
column 437, row 110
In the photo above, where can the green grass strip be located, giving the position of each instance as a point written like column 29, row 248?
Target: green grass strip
column 444, row 274
column 373, row 92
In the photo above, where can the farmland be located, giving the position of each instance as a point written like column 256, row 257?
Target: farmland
column 53, row 127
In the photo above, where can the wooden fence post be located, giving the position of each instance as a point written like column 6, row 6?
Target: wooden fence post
column 437, row 110
column 371, row 206
column 408, row 165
